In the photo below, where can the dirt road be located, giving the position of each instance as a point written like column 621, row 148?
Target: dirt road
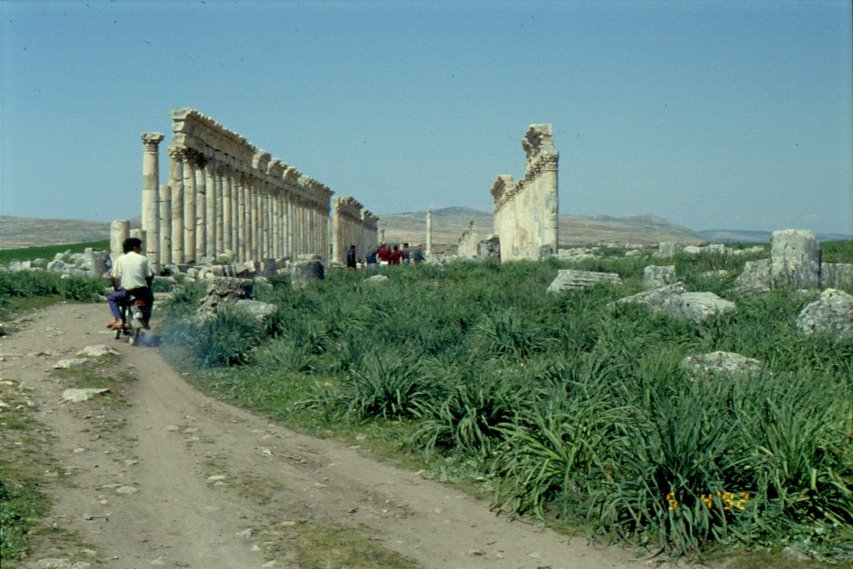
column 154, row 473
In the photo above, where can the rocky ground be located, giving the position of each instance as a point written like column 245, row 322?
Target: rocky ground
column 153, row 473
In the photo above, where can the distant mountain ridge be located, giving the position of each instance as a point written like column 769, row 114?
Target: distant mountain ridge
column 447, row 225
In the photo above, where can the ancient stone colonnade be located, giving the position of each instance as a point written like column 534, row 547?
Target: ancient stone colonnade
column 353, row 226
column 227, row 198
column 526, row 216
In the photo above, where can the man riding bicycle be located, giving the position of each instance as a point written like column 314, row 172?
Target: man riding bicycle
column 131, row 276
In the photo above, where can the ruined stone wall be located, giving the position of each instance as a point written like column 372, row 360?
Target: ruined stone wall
column 469, row 241
column 526, row 213
column 227, row 198
column 352, row 225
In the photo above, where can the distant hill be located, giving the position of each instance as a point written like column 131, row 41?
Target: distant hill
column 449, row 223
column 17, row 232
column 741, row 236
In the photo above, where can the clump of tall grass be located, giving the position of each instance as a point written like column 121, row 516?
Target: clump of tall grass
column 466, row 408
column 229, row 338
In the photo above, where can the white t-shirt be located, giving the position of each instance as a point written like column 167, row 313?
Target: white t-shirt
column 131, row 269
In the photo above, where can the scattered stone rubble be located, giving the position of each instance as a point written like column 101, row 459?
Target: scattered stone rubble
column 675, row 300
column 572, row 279
column 831, row 314
column 89, row 263
column 718, row 364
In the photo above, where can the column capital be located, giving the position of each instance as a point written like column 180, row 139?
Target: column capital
column 151, row 139
column 177, row 152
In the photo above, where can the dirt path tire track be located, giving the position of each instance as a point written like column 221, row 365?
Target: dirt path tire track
column 183, row 480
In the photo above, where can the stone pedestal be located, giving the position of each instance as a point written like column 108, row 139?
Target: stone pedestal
column 794, row 259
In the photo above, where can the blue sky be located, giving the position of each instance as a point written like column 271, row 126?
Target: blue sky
column 727, row 114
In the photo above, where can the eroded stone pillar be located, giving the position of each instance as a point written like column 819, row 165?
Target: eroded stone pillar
column 429, row 232
column 794, row 258
column 201, row 206
column 150, row 190
column 165, row 202
column 119, row 231
column 227, row 242
column 176, row 183
column 210, row 210
column 189, row 207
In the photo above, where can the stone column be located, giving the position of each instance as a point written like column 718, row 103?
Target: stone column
column 337, row 230
column 119, row 231
column 176, row 182
column 428, row 250
column 201, row 206
column 189, row 207
column 210, row 210
column 165, row 201
column 227, row 243
column 288, row 213
column 276, row 226
column 549, row 187
column 253, row 219
column 150, row 189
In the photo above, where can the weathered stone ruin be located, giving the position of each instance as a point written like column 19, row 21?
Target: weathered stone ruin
column 526, row 212
column 676, row 301
column 228, row 200
column 469, row 241
column 721, row 364
column 831, row 314
column 568, row 279
column 352, row 225
column 795, row 262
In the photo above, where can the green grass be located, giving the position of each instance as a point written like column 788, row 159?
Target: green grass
column 49, row 251
column 566, row 407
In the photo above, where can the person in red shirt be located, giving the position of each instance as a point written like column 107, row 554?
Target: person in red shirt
column 396, row 256
column 384, row 254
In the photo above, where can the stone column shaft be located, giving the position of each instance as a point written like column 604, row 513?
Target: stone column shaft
column 189, row 209
column 201, row 209
column 150, row 190
column 165, row 201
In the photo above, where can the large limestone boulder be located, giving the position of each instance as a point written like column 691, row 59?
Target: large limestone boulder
column 676, row 301
column 304, row 273
column 220, row 293
column 794, row 259
column 716, row 364
column 836, row 275
column 669, row 249
column 655, row 276
column 830, row 314
column 755, row 277
column 699, row 306
column 568, row 279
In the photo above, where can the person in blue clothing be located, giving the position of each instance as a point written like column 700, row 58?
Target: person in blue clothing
column 372, row 258
column 417, row 255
